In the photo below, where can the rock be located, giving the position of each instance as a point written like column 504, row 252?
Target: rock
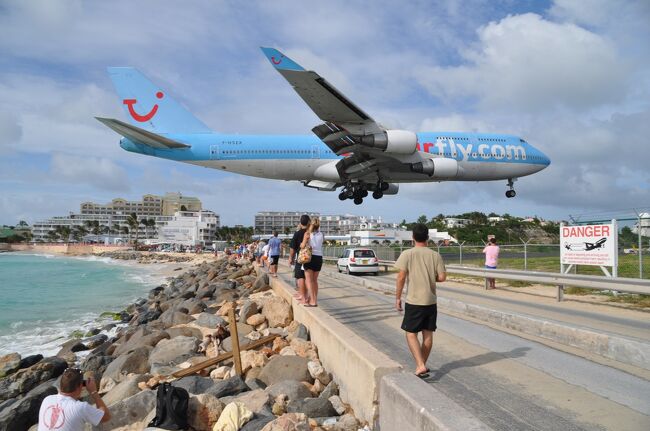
column 261, row 283
column 312, row 407
column 293, row 389
column 9, row 364
column 125, row 389
column 203, row 411
column 288, row 351
column 248, row 309
column 148, row 316
column 289, row 422
column 70, row 347
column 28, row 361
column 96, row 364
column 186, row 331
column 252, row 358
column 211, row 321
column 133, row 409
column 173, row 351
column 136, row 362
column 256, row 320
column 194, row 384
column 256, row 401
column 193, row 306
column 232, row 386
column 254, row 383
column 300, row 331
column 142, row 337
column 225, row 308
column 317, row 388
column 23, row 381
column 317, row 371
column 279, row 343
column 303, row 348
column 254, row 336
column 337, row 403
column 331, row 389
column 346, row 423
column 277, row 312
column 281, row 368
column 173, row 318
column 226, row 344
column 220, row 373
column 95, row 341
column 257, row 423
column 24, row 412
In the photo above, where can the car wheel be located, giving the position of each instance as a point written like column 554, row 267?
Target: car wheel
column 339, row 268
column 347, row 270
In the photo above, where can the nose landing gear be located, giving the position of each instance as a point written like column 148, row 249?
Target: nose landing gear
column 511, row 193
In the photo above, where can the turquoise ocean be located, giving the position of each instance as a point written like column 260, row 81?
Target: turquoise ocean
column 44, row 298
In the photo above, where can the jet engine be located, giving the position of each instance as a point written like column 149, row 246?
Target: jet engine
column 391, row 141
column 438, row 168
column 392, row 189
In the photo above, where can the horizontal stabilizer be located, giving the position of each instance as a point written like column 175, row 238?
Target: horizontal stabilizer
column 141, row 136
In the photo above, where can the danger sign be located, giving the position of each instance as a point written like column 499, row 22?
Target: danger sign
column 588, row 245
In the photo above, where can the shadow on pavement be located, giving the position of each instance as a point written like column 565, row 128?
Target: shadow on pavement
column 477, row 361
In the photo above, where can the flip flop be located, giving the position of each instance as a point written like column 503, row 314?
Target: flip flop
column 422, row 375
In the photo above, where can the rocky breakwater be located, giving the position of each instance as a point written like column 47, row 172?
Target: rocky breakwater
column 148, row 257
column 283, row 385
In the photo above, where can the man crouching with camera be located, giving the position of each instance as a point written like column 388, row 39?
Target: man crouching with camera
column 64, row 411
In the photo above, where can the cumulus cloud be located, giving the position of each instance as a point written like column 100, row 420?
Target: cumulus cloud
column 96, row 171
column 10, row 129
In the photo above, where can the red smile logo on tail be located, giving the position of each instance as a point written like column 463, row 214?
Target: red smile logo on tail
column 146, row 117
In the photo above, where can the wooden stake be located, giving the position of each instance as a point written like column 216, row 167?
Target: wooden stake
column 213, row 361
column 234, row 337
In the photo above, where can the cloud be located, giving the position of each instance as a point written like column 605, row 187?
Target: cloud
column 10, row 129
column 530, row 64
column 96, row 171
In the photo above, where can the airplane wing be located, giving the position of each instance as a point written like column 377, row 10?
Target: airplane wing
column 346, row 129
column 141, row 136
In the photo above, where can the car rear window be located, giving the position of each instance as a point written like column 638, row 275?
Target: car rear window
column 364, row 253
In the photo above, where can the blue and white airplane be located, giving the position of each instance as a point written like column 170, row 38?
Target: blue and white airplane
column 349, row 150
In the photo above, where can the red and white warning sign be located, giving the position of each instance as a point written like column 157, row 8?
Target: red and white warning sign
column 588, row 245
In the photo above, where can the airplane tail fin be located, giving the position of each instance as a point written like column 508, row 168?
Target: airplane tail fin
column 148, row 107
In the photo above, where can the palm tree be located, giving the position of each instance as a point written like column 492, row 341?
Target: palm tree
column 63, row 232
column 78, row 232
column 52, row 236
column 132, row 221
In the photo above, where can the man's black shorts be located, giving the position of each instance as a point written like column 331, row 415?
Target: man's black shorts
column 419, row 317
column 274, row 260
column 298, row 273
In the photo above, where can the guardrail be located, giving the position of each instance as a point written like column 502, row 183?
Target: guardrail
column 619, row 284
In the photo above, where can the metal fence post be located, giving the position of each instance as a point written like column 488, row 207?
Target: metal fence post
column 461, row 252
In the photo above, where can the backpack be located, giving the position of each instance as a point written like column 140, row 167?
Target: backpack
column 171, row 408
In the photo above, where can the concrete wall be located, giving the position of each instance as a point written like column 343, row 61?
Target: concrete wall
column 4, row 246
column 357, row 366
column 70, row 249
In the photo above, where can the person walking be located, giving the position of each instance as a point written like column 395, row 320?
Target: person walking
column 275, row 248
column 64, row 411
column 491, row 252
column 422, row 267
column 294, row 249
column 313, row 237
column 265, row 255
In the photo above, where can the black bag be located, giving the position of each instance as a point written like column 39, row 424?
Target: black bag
column 171, row 408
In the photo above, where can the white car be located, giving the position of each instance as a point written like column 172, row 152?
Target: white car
column 358, row 260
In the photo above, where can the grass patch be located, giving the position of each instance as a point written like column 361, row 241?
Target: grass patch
column 640, row 301
column 571, row 290
column 517, row 283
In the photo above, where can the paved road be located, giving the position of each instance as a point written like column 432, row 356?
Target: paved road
column 508, row 382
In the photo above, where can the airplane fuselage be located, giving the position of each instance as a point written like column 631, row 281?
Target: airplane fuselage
column 480, row 157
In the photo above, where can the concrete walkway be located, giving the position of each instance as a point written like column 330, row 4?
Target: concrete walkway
column 507, row 382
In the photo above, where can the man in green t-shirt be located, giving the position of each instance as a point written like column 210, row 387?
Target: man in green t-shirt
column 422, row 267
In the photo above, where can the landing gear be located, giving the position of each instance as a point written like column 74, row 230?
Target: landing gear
column 358, row 201
column 377, row 194
column 358, row 191
column 511, row 193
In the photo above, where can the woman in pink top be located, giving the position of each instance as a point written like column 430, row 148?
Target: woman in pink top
column 491, row 251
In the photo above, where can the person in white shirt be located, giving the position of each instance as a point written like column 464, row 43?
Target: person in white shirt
column 64, row 411
column 313, row 237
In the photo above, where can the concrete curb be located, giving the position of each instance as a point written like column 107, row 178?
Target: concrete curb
column 622, row 349
column 408, row 403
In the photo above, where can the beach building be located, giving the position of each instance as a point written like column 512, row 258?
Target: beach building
column 286, row 222
column 188, row 228
column 453, row 222
column 392, row 235
column 112, row 219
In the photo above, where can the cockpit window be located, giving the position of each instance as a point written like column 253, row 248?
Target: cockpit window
column 522, row 141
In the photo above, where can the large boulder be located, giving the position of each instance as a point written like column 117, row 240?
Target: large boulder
column 208, row 320
column 282, row 368
column 142, row 337
column 95, row 341
column 252, row 358
column 293, row 389
column 24, row 412
column 277, row 312
column 317, row 371
column 173, row 351
column 289, row 422
column 130, row 410
column 232, row 386
column 173, row 318
column 71, row 346
column 30, row 360
column 193, row 306
column 9, row 364
column 203, row 411
column 248, row 309
column 96, row 364
column 256, row 401
column 312, row 407
column 136, row 362
column 23, row 381
column 194, row 384
column 257, row 423
column 186, row 331
column 125, row 389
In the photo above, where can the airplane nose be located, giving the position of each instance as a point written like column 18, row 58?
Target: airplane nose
column 545, row 160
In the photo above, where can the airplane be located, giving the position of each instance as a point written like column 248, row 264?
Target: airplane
column 586, row 246
column 348, row 150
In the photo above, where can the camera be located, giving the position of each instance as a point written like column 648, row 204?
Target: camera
column 83, row 383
